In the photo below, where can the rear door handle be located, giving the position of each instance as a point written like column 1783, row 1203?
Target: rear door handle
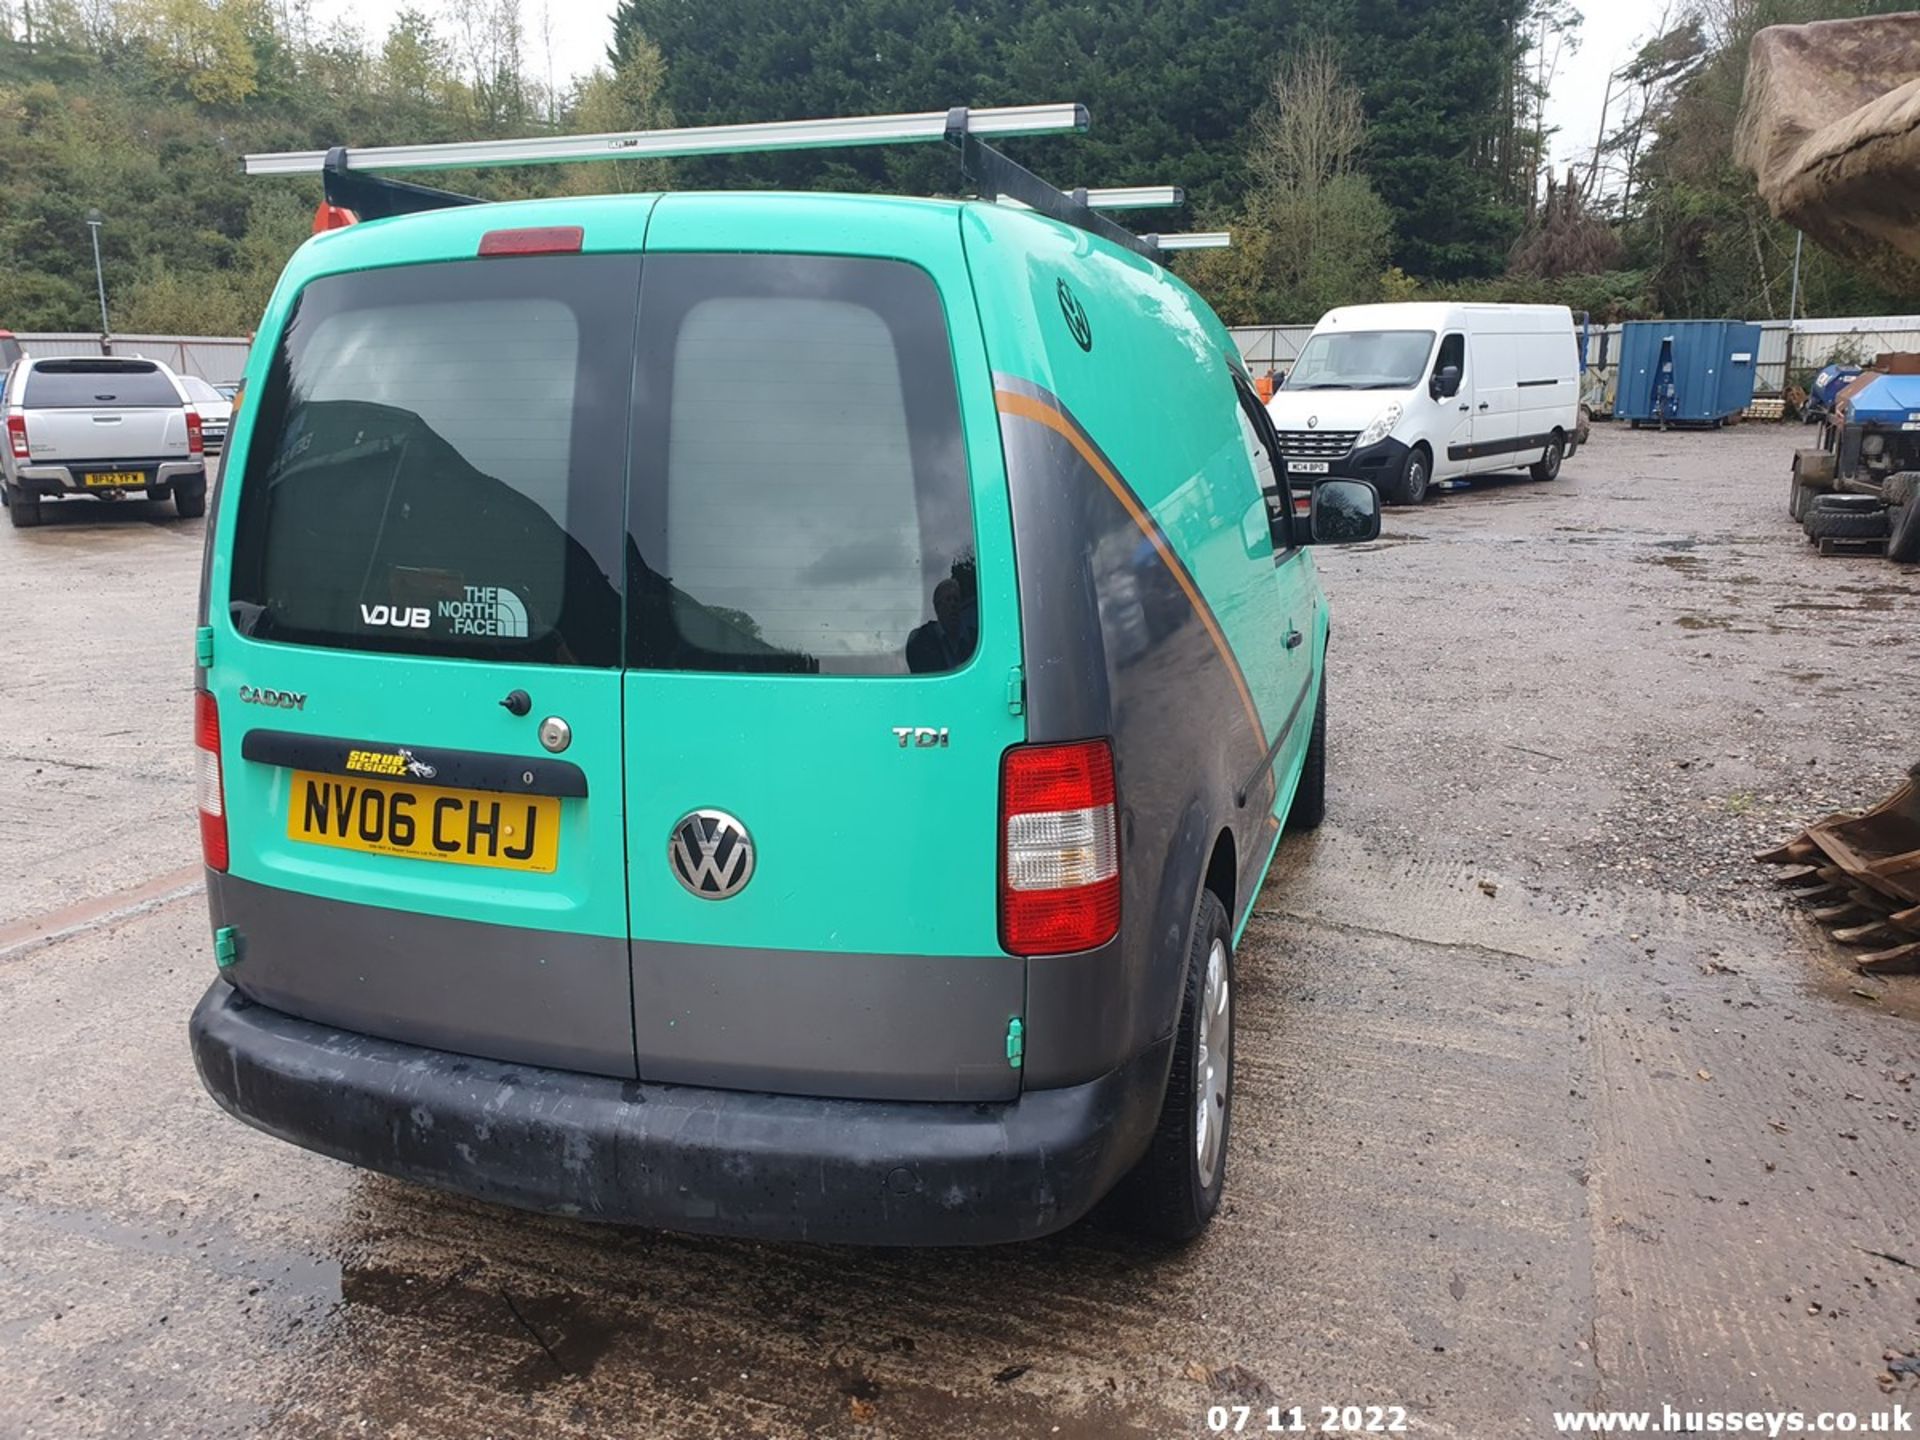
column 1485, row 403
column 1294, row 637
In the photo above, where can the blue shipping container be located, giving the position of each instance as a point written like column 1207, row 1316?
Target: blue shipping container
column 1686, row 372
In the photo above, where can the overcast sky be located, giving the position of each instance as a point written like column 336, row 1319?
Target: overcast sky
column 1613, row 31
column 581, row 30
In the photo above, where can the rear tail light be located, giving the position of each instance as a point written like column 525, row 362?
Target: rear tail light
column 1060, row 849
column 208, row 780
column 17, row 436
column 196, row 439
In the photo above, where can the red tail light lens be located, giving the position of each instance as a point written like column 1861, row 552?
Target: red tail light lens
column 535, row 240
column 196, row 442
column 208, row 780
column 1059, row 849
column 17, row 436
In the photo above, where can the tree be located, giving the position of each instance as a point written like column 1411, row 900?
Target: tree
column 631, row 96
column 1312, row 234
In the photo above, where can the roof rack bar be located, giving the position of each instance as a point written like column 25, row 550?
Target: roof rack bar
column 372, row 198
column 1135, row 197
column 1194, row 240
column 1130, row 197
column 927, row 125
column 996, row 176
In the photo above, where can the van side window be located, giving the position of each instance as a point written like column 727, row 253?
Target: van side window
column 1453, row 351
column 435, row 465
column 1269, row 468
column 800, row 499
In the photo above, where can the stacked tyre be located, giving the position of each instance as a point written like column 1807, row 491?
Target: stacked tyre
column 1902, row 494
column 1845, row 517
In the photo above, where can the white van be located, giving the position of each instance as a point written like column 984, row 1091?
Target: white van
column 1405, row 395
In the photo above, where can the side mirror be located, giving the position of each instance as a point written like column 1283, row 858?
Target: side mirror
column 1446, row 382
column 1343, row 512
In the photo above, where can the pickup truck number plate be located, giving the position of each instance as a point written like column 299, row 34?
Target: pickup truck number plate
column 112, row 479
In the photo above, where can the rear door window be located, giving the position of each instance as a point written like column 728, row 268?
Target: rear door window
column 84, row 385
column 800, row 495
column 438, row 463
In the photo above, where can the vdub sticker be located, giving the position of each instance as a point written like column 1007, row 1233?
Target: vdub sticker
column 389, row 762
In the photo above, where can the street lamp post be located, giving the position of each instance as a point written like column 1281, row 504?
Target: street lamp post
column 94, row 221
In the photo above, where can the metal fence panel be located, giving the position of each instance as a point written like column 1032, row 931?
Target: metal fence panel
column 221, row 359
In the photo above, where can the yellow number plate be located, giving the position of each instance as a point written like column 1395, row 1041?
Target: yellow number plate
column 426, row 822
column 113, row 478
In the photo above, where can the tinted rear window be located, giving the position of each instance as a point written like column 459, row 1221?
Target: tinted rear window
column 438, row 463
column 800, row 500
column 78, row 386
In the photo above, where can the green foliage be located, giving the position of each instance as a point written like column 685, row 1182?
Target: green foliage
column 141, row 109
column 1694, row 220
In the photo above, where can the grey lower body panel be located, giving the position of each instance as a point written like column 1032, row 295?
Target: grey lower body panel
column 896, row 1027
column 723, row 1162
column 534, row 996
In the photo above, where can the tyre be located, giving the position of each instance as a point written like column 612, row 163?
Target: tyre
column 1410, row 486
column 1309, row 806
column 190, row 499
column 1846, row 524
column 22, row 510
column 1853, row 504
column 1175, row 1190
column 1904, row 542
column 1547, row 467
column 1802, row 501
column 1901, row 489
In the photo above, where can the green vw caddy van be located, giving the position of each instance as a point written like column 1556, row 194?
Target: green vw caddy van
column 752, row 714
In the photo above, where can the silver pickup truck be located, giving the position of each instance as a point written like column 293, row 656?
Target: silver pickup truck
column 103, row 426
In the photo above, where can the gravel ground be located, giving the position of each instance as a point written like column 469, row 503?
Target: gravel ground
column 1544, row 1099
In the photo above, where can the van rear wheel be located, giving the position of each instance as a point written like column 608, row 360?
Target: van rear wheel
column 1309, row 806
column 1547, row 467
column 1174, row 1192
column 1409, row 487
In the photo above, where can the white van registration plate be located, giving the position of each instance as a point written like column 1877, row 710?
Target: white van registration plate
column 1308, row 467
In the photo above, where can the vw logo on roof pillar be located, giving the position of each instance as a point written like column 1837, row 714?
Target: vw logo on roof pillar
column 711, row 854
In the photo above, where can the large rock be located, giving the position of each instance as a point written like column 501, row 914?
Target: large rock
column 1830, row 127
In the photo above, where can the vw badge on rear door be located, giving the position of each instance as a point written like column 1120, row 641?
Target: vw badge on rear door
column 711, row 854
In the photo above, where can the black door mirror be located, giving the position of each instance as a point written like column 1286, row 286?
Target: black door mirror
column 1344, row 512
column 1446, row 382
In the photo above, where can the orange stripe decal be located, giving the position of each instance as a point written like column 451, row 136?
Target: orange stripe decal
column 1011, row 402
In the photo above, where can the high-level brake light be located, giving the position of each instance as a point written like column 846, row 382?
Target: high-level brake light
column 535, row 240
column 928, row 125
column 1060, row 849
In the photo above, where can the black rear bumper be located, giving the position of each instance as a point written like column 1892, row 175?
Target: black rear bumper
column 717, row 1162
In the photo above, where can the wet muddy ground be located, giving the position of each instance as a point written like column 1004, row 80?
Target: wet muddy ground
column 1544, row 1100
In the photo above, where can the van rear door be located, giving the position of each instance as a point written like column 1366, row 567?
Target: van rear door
column 424, row 568
column 822, row 642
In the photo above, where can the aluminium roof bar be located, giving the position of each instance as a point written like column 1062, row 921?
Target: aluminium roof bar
column 1194, row 240
column 1127, row 197
column 930, row 125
